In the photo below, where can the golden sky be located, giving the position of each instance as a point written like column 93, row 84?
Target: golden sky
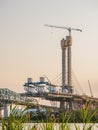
column 28, row 49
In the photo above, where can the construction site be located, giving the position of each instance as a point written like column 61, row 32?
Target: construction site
column 62, row 97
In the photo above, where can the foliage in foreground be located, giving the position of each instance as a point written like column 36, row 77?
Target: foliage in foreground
column 85, row 116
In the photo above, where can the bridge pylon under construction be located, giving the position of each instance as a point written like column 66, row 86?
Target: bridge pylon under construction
column 66, row 46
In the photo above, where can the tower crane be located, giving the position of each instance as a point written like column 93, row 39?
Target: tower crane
column 66, row 44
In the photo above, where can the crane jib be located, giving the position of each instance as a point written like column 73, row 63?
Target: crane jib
column 61, row 27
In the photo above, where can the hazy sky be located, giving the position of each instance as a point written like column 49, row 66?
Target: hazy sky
column 28, row 49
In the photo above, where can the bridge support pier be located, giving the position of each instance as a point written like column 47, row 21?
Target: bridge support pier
column 5, row 111
column 0, row 112
column 62, row 106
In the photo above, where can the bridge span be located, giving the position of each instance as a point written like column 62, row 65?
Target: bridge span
column 8, row 97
